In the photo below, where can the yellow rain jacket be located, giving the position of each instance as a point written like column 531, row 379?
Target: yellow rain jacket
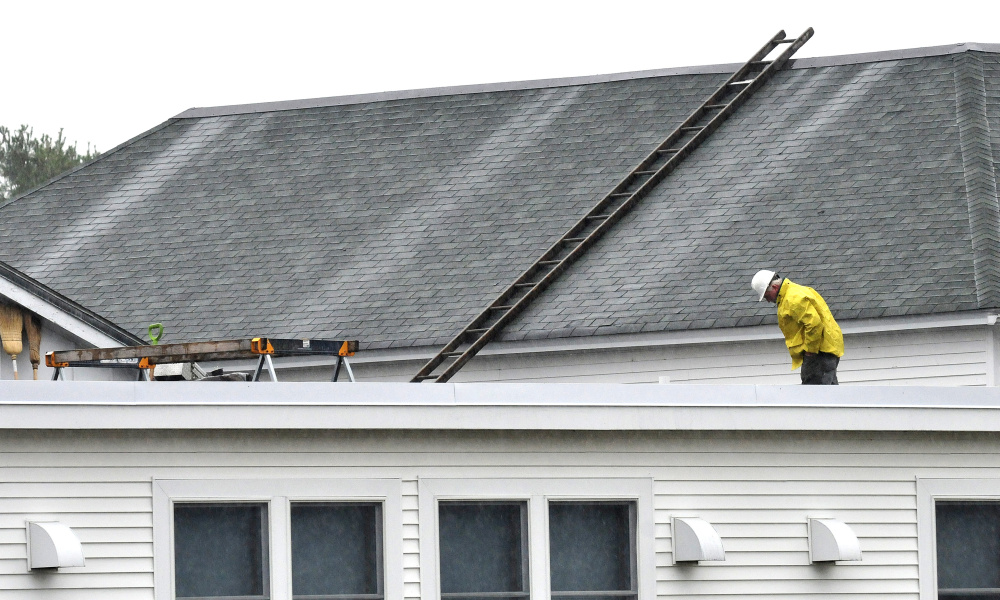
column 807, row 323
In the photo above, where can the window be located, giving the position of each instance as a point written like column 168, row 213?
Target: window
column 483, row 552
column 968, row 549
column 592, row 550
column 278, row 540
column 336, row 550
column 566, row 539
column 220, row 550
column 958, row 532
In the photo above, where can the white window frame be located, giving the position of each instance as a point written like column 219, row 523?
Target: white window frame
column 929, row 491
column 536, row 494
column 278, row 494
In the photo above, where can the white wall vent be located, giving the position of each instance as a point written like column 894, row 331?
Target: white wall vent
column 695, row 539
column 53, row 545
column 831, row 540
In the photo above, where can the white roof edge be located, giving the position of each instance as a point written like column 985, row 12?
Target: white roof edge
column 802, row 63
column 492, row 406
column 56, row 316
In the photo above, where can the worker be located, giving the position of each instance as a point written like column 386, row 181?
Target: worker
column 813, row 338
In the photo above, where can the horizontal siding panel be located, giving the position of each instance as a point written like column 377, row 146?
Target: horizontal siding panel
column 122, row 550
column 773, row 587
column 93, row 565
column 753, row 487
column 678, row 455
column 74, row 520
column 804, row 575
column 87, row 535
column 825, row 595
column 789, row 501
column 79, row 594
column 26, row 489
column 77, row 581
column 75, row 504
column 759, row 514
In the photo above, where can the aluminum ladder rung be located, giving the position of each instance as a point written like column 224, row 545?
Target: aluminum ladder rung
column 548, row 263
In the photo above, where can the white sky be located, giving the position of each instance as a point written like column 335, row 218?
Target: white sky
column 107, row 71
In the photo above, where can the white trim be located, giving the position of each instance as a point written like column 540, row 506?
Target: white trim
column 278, row 493
column 50, row 313
column 928, row 491
column 992, row 352
column 537, row 493
column 491, row 406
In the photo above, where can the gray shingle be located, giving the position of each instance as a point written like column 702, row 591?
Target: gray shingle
column 396, row 221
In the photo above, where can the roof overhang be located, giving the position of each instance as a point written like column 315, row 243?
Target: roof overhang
column 494, row 406
column 61, row 311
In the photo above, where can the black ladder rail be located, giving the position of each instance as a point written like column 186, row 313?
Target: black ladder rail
column 605, row 213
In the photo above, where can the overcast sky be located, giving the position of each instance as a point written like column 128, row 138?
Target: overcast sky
column 107, row 71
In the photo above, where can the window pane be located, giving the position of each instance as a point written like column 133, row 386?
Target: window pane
column 968, row 545
column 591, row 547
column 482, row 546
column 336, row 549
column 220, row 550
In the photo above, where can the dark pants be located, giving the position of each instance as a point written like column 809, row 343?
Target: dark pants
column 820, row 369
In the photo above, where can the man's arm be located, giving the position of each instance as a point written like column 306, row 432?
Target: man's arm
column 812, row 326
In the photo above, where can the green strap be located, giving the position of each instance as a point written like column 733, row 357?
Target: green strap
column 154, row 338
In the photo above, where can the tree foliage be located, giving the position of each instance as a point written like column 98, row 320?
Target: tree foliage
column 27, row 162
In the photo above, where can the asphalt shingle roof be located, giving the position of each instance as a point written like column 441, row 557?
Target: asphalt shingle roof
column 396, row 220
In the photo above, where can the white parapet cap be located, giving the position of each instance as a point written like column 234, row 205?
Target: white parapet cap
column 494, row 406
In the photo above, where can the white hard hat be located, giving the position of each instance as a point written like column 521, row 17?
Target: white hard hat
column 760, row 282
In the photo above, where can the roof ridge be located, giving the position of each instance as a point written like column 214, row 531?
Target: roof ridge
column 980, row 177
column 481, row 88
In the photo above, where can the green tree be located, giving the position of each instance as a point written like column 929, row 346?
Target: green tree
column 27, row 161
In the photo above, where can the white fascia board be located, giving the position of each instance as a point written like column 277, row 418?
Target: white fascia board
column 57, row 317
column 645, row 340
column 493, row 406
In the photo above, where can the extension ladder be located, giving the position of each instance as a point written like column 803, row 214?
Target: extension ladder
column 615, row 205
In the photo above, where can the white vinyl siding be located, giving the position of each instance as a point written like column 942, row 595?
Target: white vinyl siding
column 758, row 490
column 956, row 356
